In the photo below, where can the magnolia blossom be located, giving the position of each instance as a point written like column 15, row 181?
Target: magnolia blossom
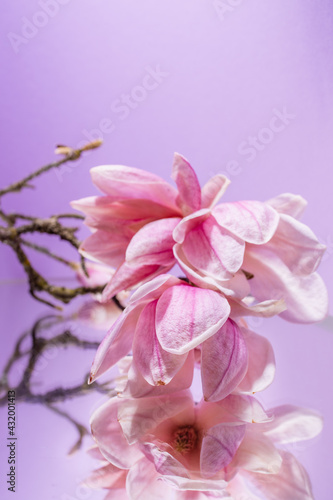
column 222, row 449
column 132, row 225
column 143, row 226
column 164, row 321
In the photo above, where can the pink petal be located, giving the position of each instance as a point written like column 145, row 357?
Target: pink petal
column 213, row 190
column 297, row 246
column 266, row 309
column 105, row 247
column 186, row 316
column 290, row 483
column 138, row 387
column 305, row 296
column 253, row 221
column 108, row 435
column 153, row 289
column 224, row 362
column 165, row 463
column 139, row 417
column 142, row 483
column 237, row 286
column 213, row 250
column 119, row 494
column 291, row 424
column 153, row 244
column 188, row 185
column 124, row 183
column 116, row 344
column 289, row 204
column 197, row 485
column 257, row 453
column 157, row 366
column 108, row 476
column 219, row 446
column 128, row 276
column 261, row 367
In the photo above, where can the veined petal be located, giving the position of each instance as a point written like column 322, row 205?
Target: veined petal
column 261, row 366
column 130, row 275
column 265, row 309
column 213, row 250
column 296, row 245
column 153, row 289
column 108, row 435
column 253, row 221
column 153, row 243
column 224, row 362
column 213, row 190
column 105, row 247
column 219, row 446
column 127, row 182
column 291, row 482
column 157, row 366
column 138, row 387
column 142, row 482
column 289, row 204
column 291, row 424
column 116, row 344
column 186, row 316
column 189, row 199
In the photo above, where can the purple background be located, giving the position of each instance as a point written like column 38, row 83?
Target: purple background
column 222, row 78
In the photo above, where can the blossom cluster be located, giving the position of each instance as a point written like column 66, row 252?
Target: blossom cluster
column 246, row 258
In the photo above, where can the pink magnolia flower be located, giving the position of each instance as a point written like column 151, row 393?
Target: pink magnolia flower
column 263, row 242
column 223, row 449
column 133, row 223
column 164, row 321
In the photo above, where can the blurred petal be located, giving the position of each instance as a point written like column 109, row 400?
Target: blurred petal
column 266, row 309
column 257, row 453
column 291, row 424
column 253, row 221
column 224, row 362
column 290, row 483
column 186, row 316
column 219, row 446
column 105, row 247
column 164, row 462
column 108, row 476
column 142, row 482
column 196, row 485
column 108, row 435
column 189, row 199
column 157, row 366
column 297, row 246
column 289, row 204
column 213, row 190
column 153, row 243
column 261, row 366
column 305, row 296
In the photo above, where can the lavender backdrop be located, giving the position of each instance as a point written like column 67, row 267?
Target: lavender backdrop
column 199, row 77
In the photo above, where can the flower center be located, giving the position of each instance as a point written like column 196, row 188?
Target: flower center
column 185, row 439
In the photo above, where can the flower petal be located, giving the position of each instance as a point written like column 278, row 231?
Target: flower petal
column 291, row 482
column 138, row 387
column 157, row 366
column 265, row 309
column 124, row 183
column 261, row 367
column 296, row 245
column 165, row 463
column 291, row 424
column 305, row 296
column 213, row 250
column 189, row 199
column 219, row 446
column 186, row 316
column 105, row 247
column 289, row 204
column 108, row 435
column 224, row 362
column 108, row 476
column 142, row 482
column 213, row 190
column 153, row 243
column 253, row 221
column 197, row 485
column 116, row 344
column 257, row 453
